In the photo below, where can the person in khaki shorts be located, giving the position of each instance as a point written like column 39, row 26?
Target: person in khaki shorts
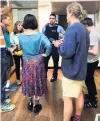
column 74, row 51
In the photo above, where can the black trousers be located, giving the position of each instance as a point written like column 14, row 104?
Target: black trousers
column 55, row 57
column 90, row 82
column 3, row 76
column 17, row 64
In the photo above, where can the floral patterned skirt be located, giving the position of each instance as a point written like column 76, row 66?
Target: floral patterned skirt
column 34, row 81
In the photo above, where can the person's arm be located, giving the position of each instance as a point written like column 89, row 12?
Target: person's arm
column 19, row 41
column 67, row 49
column 47, row 45
column 8, row 43
column 93, row 50
column 94, row 43
column 11, row 38
column 61, row 30
column 43, row 30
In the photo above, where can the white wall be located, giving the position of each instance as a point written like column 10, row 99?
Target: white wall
column 44, row 10
column 97, row 20
column 18, row 14
column 97, row 23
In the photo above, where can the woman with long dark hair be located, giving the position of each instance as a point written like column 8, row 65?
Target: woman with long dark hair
column 18, row 28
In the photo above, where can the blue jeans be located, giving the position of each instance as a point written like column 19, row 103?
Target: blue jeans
column 3, row 77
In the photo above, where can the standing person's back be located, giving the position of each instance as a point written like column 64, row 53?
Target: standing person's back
column 74, row 62
column 74, row 51
column 34, row 83
column 33, row 45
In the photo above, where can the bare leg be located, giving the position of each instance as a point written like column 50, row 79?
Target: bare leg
column 8, row 77
column 36, row 107
column 36, row 99
column 79, row 104
column 68, row 108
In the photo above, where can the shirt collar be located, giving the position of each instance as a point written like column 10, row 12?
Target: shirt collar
column 51, row 25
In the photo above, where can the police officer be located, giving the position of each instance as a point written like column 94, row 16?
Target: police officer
column 52, row 31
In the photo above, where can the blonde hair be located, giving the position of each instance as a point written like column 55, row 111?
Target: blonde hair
column 77, row 10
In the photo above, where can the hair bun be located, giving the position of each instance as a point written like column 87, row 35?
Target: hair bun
column 83, row 15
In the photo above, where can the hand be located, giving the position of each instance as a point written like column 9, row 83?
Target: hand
column 57, row 43
column 10, row 50
column 18, row 46
column 44, row 55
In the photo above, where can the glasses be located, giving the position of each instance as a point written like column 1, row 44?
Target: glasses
column 52, row 18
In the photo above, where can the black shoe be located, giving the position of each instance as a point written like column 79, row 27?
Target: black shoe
column 91, row 104
column 53, row 79
column 30, row 106
column 37, row 108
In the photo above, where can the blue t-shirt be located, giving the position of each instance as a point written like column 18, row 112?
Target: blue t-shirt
column 34, row 45
column 74, row 52
column 6, row 37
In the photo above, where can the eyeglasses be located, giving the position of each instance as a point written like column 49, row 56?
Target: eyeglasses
column 52, row 18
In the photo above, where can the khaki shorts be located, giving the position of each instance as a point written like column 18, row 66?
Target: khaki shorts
column 71, row 88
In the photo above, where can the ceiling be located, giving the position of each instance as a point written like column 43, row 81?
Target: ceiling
column 92, row 7
column 24, row 3
column 59, row 6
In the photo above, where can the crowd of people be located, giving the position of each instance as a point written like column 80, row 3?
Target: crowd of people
column 80, row 57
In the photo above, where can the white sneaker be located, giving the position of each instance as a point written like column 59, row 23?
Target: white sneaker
column 7, row 89
column 7, row 107
column 7, row 101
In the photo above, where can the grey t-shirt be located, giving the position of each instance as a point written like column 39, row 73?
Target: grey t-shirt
column 94, row 40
